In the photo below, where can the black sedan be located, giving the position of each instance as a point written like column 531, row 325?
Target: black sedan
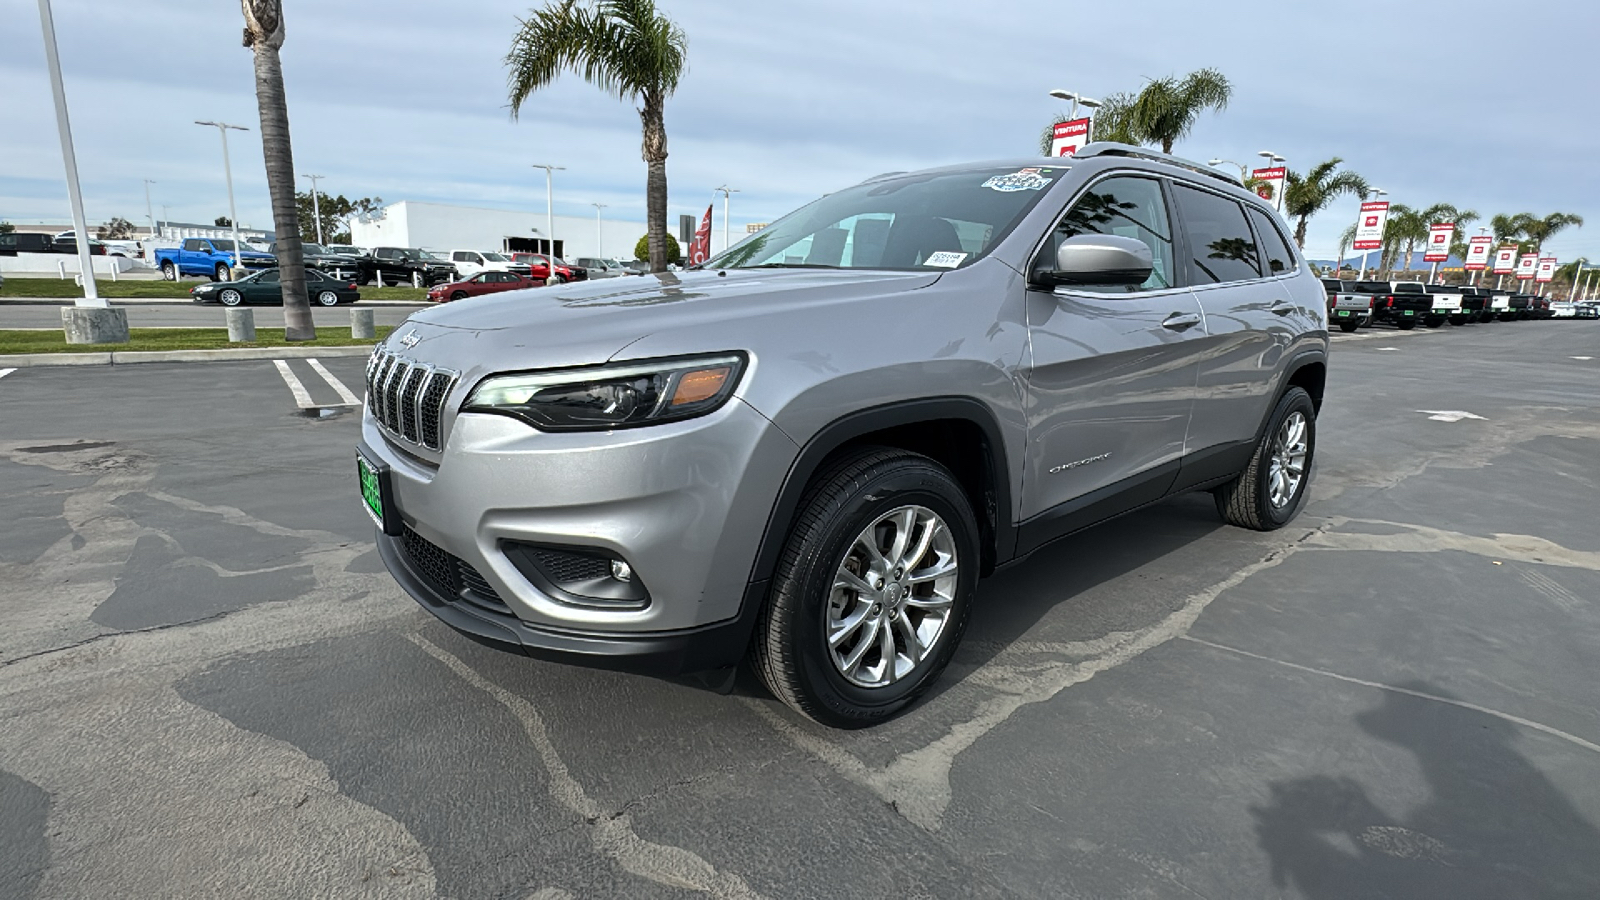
column 263, row 287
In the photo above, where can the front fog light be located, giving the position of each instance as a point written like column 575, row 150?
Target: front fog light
column 621, row 571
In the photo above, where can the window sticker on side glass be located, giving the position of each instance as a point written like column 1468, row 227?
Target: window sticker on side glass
column 945, row 259
column 1021, row 180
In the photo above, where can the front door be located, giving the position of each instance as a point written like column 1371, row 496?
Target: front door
column 1113, row 371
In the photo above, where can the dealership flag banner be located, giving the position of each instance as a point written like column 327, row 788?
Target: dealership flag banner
column 1527, row 267
column 1439, row 242
column 1369, row 231
column 700, row 247
column 1273, row 188
column 1505, row 260
column 1068, row 137
column 1478, row 253
column 1547, row 270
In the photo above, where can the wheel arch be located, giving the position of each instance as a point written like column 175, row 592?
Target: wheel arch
column 960, row 433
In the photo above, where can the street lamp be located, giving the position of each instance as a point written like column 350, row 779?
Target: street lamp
column 1274, row 159
column 80, row 230
column 550, row 207
column 725, row 192
column 599, row 231
column 149, row 211
column 1242, row 167
column 1076, row 99
column 227, row 170
column 316, row 208
column 1375, row 192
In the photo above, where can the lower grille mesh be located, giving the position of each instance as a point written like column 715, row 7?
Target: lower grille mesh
column 449, row 574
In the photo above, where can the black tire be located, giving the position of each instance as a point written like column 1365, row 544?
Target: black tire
column 1347, row 327
column 222, row 273
column 230, row 297
column 789, row 651
column 169, row 271
column 1458, row 320
column 1406, row 324
column 1245, row 501
column 555, row 279
column 363, row 279
column 1434, row 322
column 327, row 298
column 459, row 295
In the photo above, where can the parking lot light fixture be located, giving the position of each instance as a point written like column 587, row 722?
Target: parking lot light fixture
column 1243, row 169
column 550, row 208
column 91, row 296
column 725, row 192
column 1076, row 100
column 316, row 209
column 227, row 171
column 599, row 232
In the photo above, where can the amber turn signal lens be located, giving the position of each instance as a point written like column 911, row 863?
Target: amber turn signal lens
column 704, row 384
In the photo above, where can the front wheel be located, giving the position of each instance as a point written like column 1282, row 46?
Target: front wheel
column 328, row 298
column 1271, row 490
column 231, row 298
column 554, row 279
column 873, row 589
column 459, row 295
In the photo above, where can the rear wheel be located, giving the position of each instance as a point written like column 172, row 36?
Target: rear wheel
column 328, row 298
column 1347, row 327
column 169, row 271
column 222, row 273
column 872, row 593
column 230, row 297
column 1271, row 490
column 555, row 279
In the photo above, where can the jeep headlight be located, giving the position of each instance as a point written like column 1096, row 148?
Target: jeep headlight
column 645, row 392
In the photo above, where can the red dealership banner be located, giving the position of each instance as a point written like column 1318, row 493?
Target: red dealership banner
column 1068, row 137
column 1527, row 266
column 1547, row 270
column 1478, row 253
column 1439, row 242
column 1369, row 230
column 1273, row 187
column 700, row 247
column 1505, row 260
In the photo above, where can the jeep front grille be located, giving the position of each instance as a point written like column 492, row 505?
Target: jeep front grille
column 407, row 398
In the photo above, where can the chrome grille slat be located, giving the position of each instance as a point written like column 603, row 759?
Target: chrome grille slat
column 407, row 398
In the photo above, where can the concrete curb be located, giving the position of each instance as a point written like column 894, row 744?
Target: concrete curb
column 126, row 357
column 176, row 301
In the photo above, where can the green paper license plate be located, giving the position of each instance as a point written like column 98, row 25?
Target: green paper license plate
column 1410, row 312
column 1344, row 312
column 371, row 488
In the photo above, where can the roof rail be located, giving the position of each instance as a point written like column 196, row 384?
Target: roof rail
column 1112, row 148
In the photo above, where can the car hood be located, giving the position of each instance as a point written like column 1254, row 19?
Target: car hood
column 591, row 322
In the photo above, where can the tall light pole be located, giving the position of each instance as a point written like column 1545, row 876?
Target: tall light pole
column 91, row 296
column 599, row 231
column 316, row 207
column 1375, row 192
column 1076, row 99
column 149, row 211
column 1243, row 169
column 227, row 170
column 1274, row 159
column 550, row 207
column 725, row 192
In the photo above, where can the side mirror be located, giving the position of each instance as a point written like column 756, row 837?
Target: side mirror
column 1098, row 259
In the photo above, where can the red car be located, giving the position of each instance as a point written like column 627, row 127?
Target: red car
column 481, row 283
column 541, row 266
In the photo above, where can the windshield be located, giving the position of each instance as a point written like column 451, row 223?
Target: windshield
column 927, row 221
column 310, row 248
column 494, row 257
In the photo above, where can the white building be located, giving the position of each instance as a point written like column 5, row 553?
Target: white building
column 438, row 226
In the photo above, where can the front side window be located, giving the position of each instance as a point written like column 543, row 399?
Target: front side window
column 1275, row 252
column 1221, row 248
column 928, row 221
column 1126, row 207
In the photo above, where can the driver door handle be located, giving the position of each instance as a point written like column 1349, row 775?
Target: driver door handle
column 1282, row 307
column 1179, row 321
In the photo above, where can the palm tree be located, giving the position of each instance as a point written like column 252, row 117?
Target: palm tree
column 1346, row 238
column 1405, row 226
column 263, row 34
column 1167, row 108
column 1541, row 230
column 623, row 47
column 1306, row 195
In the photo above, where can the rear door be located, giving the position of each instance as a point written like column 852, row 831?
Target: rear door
column 1112, row 375
column 1242, row 288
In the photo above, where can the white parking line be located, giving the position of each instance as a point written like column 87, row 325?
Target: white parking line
column 5, row 372
column 301, row 395
column 336, row 384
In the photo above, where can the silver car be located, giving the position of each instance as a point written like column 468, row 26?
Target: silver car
column 807, row 451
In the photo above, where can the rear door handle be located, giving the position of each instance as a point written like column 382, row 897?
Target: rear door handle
column 1179, row 321
column 1282, row 307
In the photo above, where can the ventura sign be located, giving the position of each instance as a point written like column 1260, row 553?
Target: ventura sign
column 1069, row 136
column 1478, row 253
column 1439, row 242
column 1369, row 231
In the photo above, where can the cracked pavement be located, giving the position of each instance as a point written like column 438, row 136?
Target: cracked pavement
column 209, row 686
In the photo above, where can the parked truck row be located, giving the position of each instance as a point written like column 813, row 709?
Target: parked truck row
column 1407, row 304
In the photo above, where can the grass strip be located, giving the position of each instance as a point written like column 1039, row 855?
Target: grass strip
column 67, row 289
column 53, row 341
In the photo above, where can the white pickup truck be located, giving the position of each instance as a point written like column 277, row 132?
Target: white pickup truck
column 470, row 262
column 1346, row 308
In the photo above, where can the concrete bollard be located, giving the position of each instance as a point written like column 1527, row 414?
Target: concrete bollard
column 241, row 325
column 95, row 324
column 362, row 324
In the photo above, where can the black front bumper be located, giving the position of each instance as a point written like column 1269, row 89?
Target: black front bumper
column 708, row 647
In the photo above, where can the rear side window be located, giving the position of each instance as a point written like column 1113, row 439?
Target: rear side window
column 1275, row 252
column 1126, row 207
column 1221, row 247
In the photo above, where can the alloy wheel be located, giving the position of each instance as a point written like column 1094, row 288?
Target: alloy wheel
column 1288, row 467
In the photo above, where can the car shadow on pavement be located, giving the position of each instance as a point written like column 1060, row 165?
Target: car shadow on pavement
column 1495, row 826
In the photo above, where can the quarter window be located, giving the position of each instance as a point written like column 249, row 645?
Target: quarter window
column 1221, row 247
column 1127, row 207
column 1275, row 250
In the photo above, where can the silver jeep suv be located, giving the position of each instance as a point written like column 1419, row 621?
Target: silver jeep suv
column 808, row 450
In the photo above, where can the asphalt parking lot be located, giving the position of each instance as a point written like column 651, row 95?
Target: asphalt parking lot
column 209, row 687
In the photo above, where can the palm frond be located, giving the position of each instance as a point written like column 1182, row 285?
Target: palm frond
column 623, row 47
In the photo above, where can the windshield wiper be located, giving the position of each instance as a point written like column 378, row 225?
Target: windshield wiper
column 790, row 266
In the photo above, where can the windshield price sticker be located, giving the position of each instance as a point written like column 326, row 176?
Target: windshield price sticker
column 945, row 259
column 1021, row 180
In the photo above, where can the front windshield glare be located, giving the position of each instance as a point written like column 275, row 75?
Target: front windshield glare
column 911, row 222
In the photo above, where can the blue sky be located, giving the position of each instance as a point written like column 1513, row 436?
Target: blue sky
column 1481, row 105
